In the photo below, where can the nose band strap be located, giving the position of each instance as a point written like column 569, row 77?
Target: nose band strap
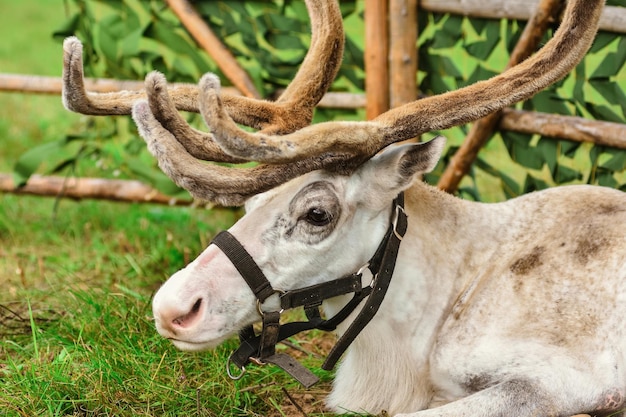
column 244, row 263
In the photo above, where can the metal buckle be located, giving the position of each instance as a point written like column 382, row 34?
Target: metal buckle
column 396, row 217
column 257, row 361
column 259, row 305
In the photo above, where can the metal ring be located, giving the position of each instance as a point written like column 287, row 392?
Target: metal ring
column 259, row 304
column 363, row 268
column 230, row 374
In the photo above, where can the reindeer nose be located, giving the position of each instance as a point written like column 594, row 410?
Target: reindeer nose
column 175, row 319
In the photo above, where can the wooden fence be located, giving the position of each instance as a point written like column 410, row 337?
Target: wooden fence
column 391, row 33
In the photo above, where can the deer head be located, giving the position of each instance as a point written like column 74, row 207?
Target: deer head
column 293, row 230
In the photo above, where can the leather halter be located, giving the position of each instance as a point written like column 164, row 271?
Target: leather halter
column 260, row 349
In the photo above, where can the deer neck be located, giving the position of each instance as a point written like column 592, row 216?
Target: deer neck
column 446, row 243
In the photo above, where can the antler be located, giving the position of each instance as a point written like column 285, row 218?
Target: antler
column 559, row 56
column 222, row 185
column 338, row 146
column 293, row 109
column 178, row 147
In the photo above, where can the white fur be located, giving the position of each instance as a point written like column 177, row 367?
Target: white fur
column 513, row 308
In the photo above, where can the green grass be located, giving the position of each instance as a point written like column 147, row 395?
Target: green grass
column 76, row 279
column 76, row 336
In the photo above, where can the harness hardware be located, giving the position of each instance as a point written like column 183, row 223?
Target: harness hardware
column 260, row 349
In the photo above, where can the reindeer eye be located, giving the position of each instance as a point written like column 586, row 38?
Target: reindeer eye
column 317, row 217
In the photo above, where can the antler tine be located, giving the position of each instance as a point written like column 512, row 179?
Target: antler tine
column 197, row 143
column 292, row 111
column 559, row 56
column 327, row 43
column 312, row 140
column 77, row 99
column 222, row 185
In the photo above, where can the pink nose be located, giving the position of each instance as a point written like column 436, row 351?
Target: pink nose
column 175, row 319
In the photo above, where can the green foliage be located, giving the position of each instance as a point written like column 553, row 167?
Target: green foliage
column 128, row 39
column 76, row 335
column 456, row 51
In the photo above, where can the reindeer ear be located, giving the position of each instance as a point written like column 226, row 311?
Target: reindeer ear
column 393, row 170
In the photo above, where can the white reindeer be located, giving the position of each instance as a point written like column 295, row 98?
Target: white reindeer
column 513, row 308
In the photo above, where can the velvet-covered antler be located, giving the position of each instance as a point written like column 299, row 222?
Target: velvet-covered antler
column 559, row 56
column 293, row 109
column 291, row 147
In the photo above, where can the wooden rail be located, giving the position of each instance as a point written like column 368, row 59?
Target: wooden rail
column 613, row 18
column 95, row 188
column 37, row 84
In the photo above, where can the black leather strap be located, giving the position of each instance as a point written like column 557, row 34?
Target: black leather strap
column 314, row 295
column 244, row 263
column 380, row 283
column 293, row 368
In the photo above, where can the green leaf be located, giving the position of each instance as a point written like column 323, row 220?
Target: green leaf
column 563, row 174
column 602, row 40
column 480, row 24
column 68, row 28
column 108, row 37
column 602, row 112
column 568, row 148
column 347, row 7
column 580, row 83
column 483, row 49
column 130, row 43
column 611, row 92
column 548, row 150
column 607, row 68
column 534, row 184
column 31, row 160
column 617, row 163
column 606, row 179
column 480, row 73
column 278, row 22
column 152, row 176
column 549, row 102
column 445, row 66
column 450, row 33
column 284, row 42
column 518, row 145
column 513, row 33
column 510, row 187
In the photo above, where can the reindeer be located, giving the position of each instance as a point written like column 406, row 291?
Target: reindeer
column 512, row 308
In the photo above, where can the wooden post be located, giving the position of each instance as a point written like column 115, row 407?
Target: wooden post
column 402, row 52
column 547, row 12
column 376, row 58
